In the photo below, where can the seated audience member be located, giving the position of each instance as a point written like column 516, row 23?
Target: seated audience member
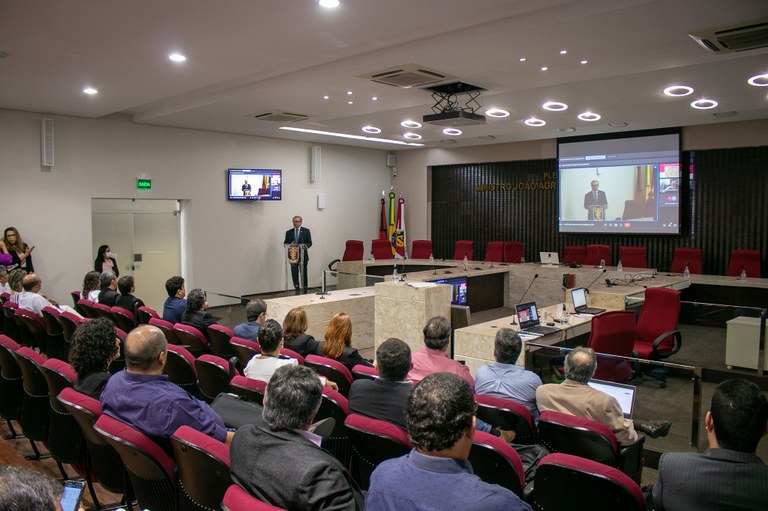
column 30, row 297
column 338, row 342
column 27, row 489
column 280, row 461
column 729, row 475
column 270, row 338
column 142, row 396
column 14, row 282
column 107, row 295
column 197, row 314
column 4, row 287
column 175, row 304
column 433, row 357
column 255, row 314
column 105, row 262
column 126, row 300
column 94, row 347
column 295, row 325
column 436, row 473
column 504, row 378
column 91, row 286
column 575, row 397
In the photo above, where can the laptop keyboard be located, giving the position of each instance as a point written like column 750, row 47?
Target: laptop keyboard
column 541, row 329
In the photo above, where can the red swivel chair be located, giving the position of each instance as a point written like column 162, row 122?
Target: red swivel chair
column 633, row 257
column 335, row 405
column 248, row 388
column 575, row 254
column 331, row 369
column 245, row 350
column 57, row 347
column 76, row 295
column 167, row 328
column 192, row 338
column 354, row 251
column 213, row 376
column 35, row 411
column 65, row 440
column 11, row 384
column 561, row 432
column 123, row 318
column 514, row 251
column 686, row 256
column 202, row 465
column 496, row 462
column 508, row 415
column 180, row 368
column 421, row 249
column 149, row 467
column 597, row 253
column 494, row 252
column 361, row 372
column 613, row 333
column 373, row 441
column 464, row 248
column 145, row 314
column 570, row 482
column 381, row 249
column 34, row 328
column 656, row 334
column 218, row 341
column 237, row 499
column 748, row 260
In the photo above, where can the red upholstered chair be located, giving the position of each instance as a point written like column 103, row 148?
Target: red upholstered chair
column 381, row 249
column 687, row 256
column 563, row 481
column 218, row 341
column 335, row 405
column 123, row 318
column 361, row 372
column 496, row 462
column 57, row 347
column 103, row 311
column 613, row 333
column 508, row 415
column 372, row 442
column 421, row 249
column 69, row 324
column 514, row 251
column 192, row 338
column 35, row 410
column 149, row 467
column 10, row 328
column 248, row 388
column 494, row 252
column 167, row 328
column 76, row 295
column 633, row 257
column 11, row 384
column 285, row 352
column 574, row 254
column 145, row 314
column 180, row 368
column 212, row 376
column 748, row 260
column 656, row 334
column 202, row 465
column 561, row 432
column 464, row 248
column 353, row 251
column 596, row 253
column 65, row 440
column 34, row 328
column 245, row 350
column 237, row 499
column 331, row 369
column 86, row 306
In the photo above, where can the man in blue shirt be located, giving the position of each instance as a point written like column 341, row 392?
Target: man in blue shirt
column 175, row 304
column 255, row 315
column 436, row 473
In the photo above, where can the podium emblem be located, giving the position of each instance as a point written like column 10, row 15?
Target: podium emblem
column 293, row 253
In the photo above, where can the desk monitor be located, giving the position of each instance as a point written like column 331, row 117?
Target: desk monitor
column 624, row 394
column 458, row 289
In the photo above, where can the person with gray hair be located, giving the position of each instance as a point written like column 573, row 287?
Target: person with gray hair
column 108, row 295
column 433, row 357
column 280, row 461
column 255, row 315
column 197, row 314
column 26, row 489
column 504, row 378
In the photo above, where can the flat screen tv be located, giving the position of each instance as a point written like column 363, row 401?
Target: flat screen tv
column 627, row 183
column 254, row 184
column 458, row 289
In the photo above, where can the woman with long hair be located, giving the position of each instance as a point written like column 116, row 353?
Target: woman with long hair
column 14, row 282
column 295, row 337
column 338, row 342
column 20, row 252
column 91, row 286
column 105, row 262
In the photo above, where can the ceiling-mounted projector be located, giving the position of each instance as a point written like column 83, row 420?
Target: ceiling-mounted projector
column 454, row 118
column 448, row 110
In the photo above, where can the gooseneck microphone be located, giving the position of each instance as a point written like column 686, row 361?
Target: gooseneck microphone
column 536, row 276
column 595, row 280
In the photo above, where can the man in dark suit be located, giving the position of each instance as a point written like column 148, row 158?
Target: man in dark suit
column 729, row 475
column 299, row 235
column 281, row 461
column 107, row 295
column 595, row 198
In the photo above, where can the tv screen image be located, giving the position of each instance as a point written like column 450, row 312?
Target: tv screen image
column 458, row 289
column 254, row 184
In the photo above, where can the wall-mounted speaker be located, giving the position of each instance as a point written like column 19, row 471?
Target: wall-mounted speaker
column 315, row 164
column 391, row 160
column 46, row 139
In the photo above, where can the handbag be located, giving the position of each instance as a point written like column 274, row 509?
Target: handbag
column 236, row 411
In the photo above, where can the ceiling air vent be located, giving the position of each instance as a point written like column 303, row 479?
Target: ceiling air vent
column 281, row 117
column 407, row 76
column 744, row 36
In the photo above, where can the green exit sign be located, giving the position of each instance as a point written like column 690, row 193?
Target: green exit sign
column 143, row 184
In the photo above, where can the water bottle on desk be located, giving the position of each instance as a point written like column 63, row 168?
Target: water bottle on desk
column 465, row 262
column 743, row 275
column 394, row 273
column 620, row 267
column 431, row 258
column 602, row 264
column 686, row 272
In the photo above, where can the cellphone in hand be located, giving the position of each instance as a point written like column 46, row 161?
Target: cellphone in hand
column 70, row 498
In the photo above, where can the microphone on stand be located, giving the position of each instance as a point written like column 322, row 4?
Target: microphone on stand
column 586, row 290
column 536, row 276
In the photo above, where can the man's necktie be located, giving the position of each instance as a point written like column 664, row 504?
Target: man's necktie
column 595, row 194
column 296, row 235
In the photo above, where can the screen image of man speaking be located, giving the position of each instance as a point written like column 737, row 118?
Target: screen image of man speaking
column 595, row 202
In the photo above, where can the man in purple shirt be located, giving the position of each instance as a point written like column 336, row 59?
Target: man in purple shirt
column 143, row 397
column 433, row 358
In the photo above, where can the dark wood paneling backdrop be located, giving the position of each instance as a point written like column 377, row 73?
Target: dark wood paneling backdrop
column 724, row 206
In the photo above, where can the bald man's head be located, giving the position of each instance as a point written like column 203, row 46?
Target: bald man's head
column 31, row 282
column 143, row 348
column 580, row 364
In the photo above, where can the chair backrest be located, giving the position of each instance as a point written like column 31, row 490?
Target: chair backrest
column 192, row 337
column 11, row 384
column 35, row 409
column 509, row 415
column 51, row 320
column 86, row 306
column 69, row 324
column 464, row 248
column 633, row 257
column 35, row 328
column 335, row 405
column 244, row 349
column 237, row 499
column 218, row 341
column 9, row 325
column 212, row 376
column 494, row 252
column 749, row 260
column 180, row 368
column 613, row 332
column 248, row 388
column 514, row 251
column 561, row 432
column 686, row 256
column 285, row 352
column 361, row 372
column 123, row 318
column 373, row 441
column 65, row 439
column 381, row 249
column 596, row 253
column 202, row 465
column 496, row 462
column 421, row 249
column 167, row 328
column 574, row 254
column 103, row 311
column 149, row 467
column 353, row 251
column 145, row 314
column 633, row 209
column 659, row 314
column 562, row 480
column 331, row 369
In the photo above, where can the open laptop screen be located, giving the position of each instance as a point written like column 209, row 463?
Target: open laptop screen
column 624, row 394
column 527, row 315
column 579, row 297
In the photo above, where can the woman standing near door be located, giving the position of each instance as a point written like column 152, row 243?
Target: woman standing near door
column 105, row 262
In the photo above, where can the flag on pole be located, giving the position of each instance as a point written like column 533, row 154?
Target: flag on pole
column 398, row 236
column 383, row 219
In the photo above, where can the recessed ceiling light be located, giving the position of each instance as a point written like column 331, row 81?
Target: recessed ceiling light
column 618, row 124
column 326, row 97
column 532, row 121
column 589, row 116
column 583, row 61
column 374, row 98
column 412, row 136
column 544, row 68
column 567, row 130
column 554, row 106
column 328, row 4
column 452, row 132
column 704, row 104
column 177, row 57
column 348, row 135
column 410, row 124
column 678, row 90
column 759, row 80
column 522, row 59
column 371, row 129
column 90, row 91
column 497, row 112
column 563, row 52
column 350, row 102
column 349, row 93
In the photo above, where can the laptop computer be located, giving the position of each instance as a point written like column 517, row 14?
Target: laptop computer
column 579, row 298
column 624, row 394
column 549, row 257
column 528, row 319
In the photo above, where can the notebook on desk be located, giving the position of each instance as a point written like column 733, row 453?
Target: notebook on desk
column 624, row 394
column 579, row 298
column 528, row 319
column 549, row 257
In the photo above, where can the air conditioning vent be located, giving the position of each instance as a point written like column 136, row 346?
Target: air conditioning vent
column 407, row 76
column 744, row 36
column 281, row 117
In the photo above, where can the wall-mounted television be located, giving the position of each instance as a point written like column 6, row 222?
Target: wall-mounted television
column 254, row 184
column 626, row 183
column 458, row 289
